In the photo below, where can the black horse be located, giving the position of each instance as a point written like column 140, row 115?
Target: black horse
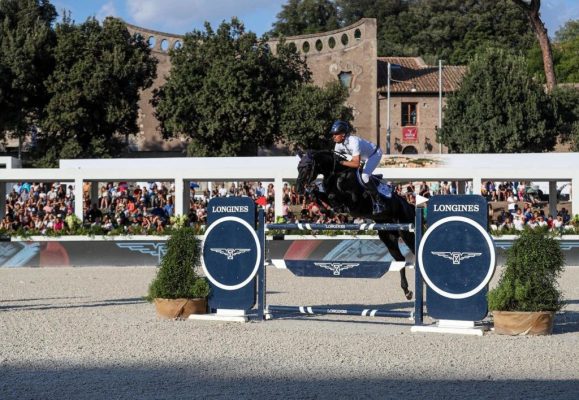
column 343, row 192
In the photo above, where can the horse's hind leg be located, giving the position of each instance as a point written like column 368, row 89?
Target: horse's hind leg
column 390, row 239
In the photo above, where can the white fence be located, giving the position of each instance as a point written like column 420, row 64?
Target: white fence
column 478, row 168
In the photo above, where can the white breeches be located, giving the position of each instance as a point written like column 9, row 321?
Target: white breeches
column 371, row 165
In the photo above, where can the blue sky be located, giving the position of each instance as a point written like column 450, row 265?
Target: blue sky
column 181, row 16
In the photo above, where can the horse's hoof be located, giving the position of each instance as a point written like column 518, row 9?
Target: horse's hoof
column 409, row 295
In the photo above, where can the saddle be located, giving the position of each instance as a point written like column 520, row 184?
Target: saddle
column 384, row 189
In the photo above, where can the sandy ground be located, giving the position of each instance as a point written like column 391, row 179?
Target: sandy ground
column 86, row 333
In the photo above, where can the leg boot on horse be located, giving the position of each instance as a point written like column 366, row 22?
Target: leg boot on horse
column 378, row 206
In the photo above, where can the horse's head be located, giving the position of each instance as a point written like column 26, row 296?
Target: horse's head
column 306, row 172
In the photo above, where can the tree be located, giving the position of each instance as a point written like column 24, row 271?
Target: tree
column 531, row 8
column 568, row 32
column 392, row 32
column 94, row 90
column 299, row 17
column 499, row 108
column 567, row 100
column 308, row 112
column 227, row 90
column 455, row 30
column 26, row 43
column 566, row 52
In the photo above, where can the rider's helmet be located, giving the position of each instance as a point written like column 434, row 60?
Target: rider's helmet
column 340, row 126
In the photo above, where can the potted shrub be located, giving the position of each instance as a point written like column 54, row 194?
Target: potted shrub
column 527, row 295
column 177, row 290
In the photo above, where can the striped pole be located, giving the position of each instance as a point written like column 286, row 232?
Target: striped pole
column 362, row 312
column 342, row 227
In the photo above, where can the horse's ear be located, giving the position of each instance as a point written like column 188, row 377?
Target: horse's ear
column 300, row 154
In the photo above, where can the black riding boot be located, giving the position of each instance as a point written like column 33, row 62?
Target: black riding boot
column 378, row 206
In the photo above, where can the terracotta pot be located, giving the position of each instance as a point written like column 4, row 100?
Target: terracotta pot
column 523, row 323
column 180, row 308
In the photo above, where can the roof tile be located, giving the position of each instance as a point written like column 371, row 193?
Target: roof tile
column 412, row 75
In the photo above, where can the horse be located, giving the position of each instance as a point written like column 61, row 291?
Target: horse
column 344, row 192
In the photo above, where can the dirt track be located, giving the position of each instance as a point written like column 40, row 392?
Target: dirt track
column 86, row 333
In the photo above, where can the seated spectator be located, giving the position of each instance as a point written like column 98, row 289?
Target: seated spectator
column 519, row 220
column 507, row 224
column 541, row 222
column 94, row 213
column 565, row 214
column 169, row 208
column 558, row 223
column 58, row 225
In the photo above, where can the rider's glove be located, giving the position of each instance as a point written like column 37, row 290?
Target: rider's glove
column 348, row 157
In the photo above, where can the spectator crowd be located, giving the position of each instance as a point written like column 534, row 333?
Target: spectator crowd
column 148, row 207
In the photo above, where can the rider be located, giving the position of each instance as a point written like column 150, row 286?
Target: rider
column 358, row 150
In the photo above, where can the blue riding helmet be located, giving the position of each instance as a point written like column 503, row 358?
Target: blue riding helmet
column 340, row 126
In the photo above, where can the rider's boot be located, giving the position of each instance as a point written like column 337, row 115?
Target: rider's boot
column 378, row 206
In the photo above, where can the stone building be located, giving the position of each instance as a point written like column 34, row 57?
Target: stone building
column 350, row 56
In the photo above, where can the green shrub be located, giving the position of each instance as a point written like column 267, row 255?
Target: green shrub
column 529, row 280
column 177, row 277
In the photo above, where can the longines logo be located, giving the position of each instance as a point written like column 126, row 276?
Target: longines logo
column 230, row 209
column 229, row 253
column 455, row 256
column 337, row 268
column 456, row 208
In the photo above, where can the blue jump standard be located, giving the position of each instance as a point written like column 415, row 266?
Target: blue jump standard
column 317, row 310
column 343, row 227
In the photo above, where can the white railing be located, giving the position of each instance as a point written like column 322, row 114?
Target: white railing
column 544, row 167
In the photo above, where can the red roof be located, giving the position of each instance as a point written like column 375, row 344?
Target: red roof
column 412, row 75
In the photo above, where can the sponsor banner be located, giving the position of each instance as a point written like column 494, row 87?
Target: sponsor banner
column 457, row 257
column 94, row 253
column 409, row 134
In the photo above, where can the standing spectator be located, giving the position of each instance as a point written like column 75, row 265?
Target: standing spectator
column 260, row 190
column 424, row 190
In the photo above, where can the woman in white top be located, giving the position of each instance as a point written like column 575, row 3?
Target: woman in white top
column 357, row 150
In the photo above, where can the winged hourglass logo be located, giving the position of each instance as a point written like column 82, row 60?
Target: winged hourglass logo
column 153, row 249
column 455, row 256
column 229, row 253
column 336, row 268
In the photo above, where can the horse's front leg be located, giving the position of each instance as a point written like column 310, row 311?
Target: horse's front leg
column 390, row 239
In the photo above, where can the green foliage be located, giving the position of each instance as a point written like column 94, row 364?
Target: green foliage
column 391, row 17
column 568, row 32
column 455, row 30
column 565, row 51
column 452, row 30
column 94, row 90
column 227, row 91
column 299, row 17
column 26, row 43
column 566, row 65
column 529, row 280
column 567, row 101
column 499, row 108
column 177, row 277
column 308, row 112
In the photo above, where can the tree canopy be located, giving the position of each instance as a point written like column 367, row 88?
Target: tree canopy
column 565, row 55
column 499, row 108
column 94, row 90
column 299, row 17
column 227, row 91
column 26, row 42
column 567, row 100
column 452, row 30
